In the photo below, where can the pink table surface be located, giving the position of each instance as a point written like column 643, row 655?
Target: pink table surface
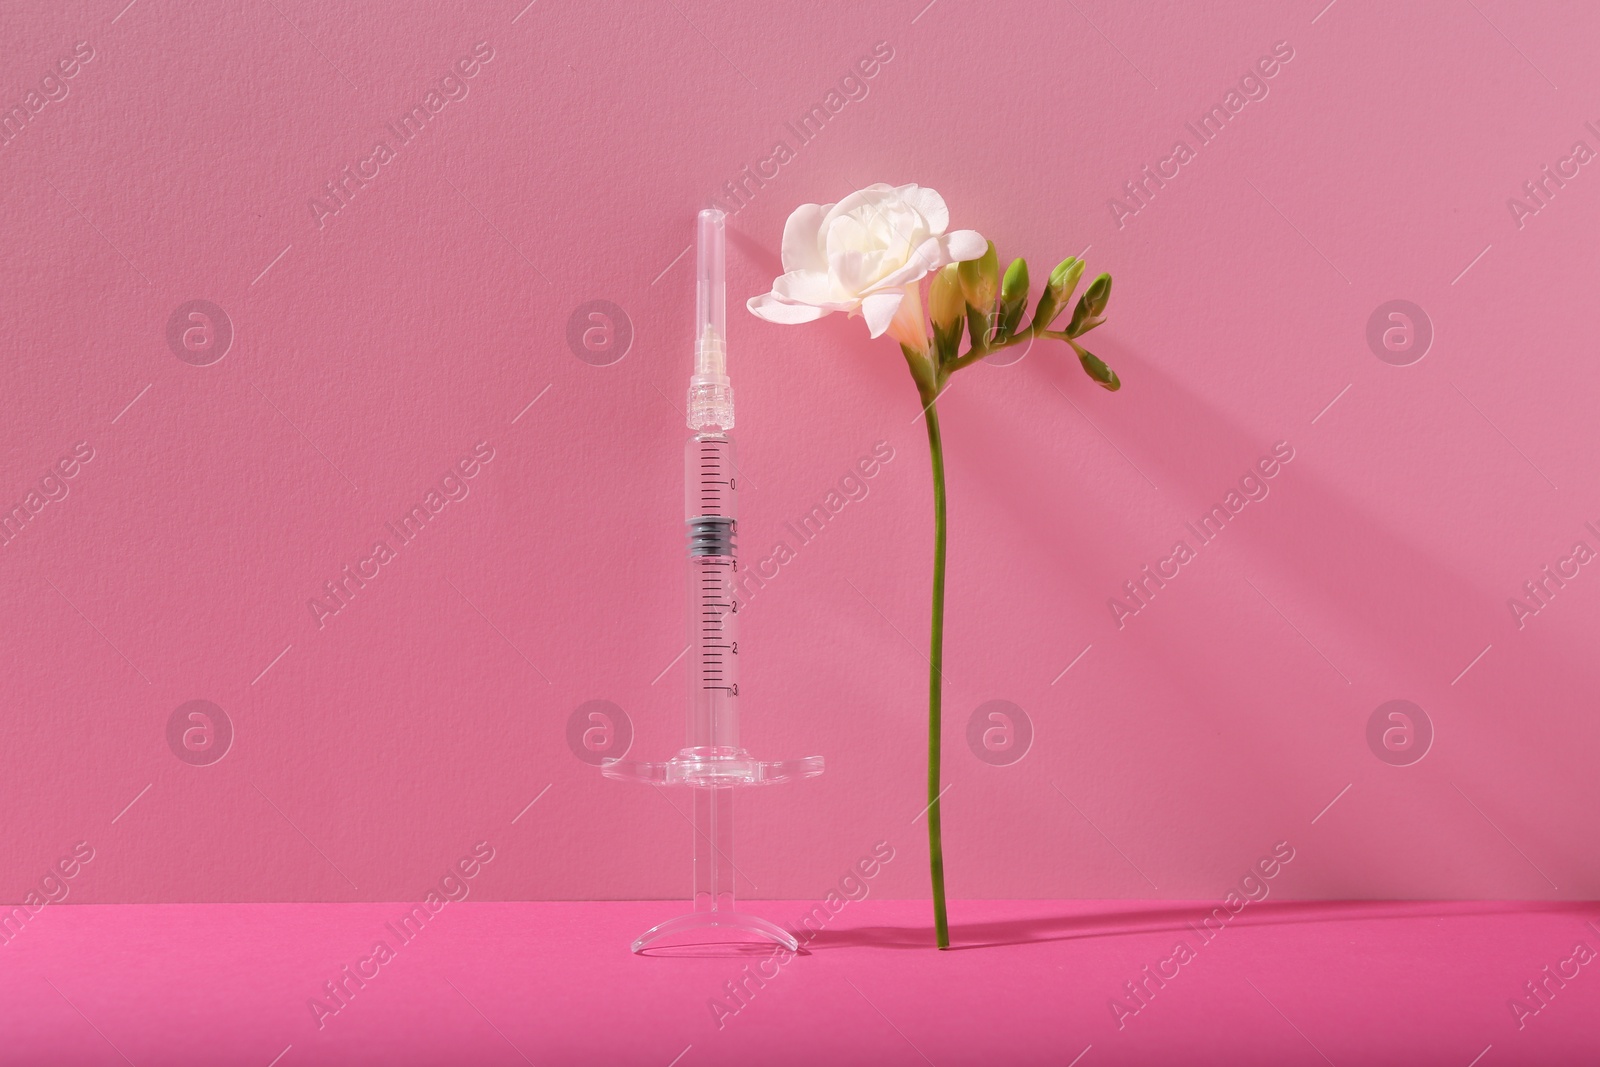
column 1029, row 982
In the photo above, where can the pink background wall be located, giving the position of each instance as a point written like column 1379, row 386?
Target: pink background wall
column 374, row 347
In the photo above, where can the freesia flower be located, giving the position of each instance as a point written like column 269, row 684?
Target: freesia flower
column 866, row 255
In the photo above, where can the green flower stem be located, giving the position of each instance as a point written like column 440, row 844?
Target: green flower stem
column 941, row 922
column 930, row 383
column 974, row 354
column 931, row 377
column 931, row 365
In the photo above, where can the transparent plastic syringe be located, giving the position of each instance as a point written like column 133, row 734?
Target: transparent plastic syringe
column 711, row 495
column 713, row 761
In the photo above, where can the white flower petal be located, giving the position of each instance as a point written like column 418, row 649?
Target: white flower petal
column 871, row 195
column 866, row 254
column 769, row 307
column 879, row 308
column 929, row 256
column 816, row 288
column 855, row 272
column 930, row 205
column 802, row 238
column 962, row 245
column 843, row 233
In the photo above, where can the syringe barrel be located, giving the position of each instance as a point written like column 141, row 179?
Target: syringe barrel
column 711, row 517
column 710, row 478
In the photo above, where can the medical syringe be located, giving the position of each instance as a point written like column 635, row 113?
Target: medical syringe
column 712, row 761
column 711, row 509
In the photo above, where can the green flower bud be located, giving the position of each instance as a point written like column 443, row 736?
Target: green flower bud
column 946, row 303
column 1096, row 368
column 1057, row 291
column 980, row 279
column 1013, row 296
column 1090, row 311
column 947, row 308
column 1065, row 277
column 980, row 282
